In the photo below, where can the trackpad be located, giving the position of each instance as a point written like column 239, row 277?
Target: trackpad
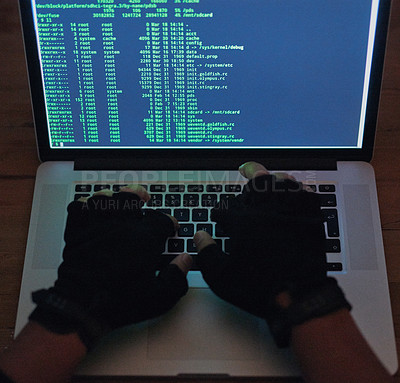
column 202, row 326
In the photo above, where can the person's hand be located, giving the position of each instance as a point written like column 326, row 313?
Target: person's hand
column 277, row 251
column 108, row 275
column 277, row 238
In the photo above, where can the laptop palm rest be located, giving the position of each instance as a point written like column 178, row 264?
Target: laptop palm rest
column 200, row 327
column 201, row 335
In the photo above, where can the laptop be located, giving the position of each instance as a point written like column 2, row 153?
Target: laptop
column 175, row 95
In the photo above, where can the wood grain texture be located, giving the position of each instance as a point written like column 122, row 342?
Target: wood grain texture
column 18, row 164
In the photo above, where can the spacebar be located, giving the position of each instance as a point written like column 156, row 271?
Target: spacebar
column 165, row 259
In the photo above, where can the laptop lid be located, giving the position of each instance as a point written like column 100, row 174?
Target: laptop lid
column 205, row 79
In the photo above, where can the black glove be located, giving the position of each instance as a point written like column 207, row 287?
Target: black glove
column 277, row 245
column 108, row 275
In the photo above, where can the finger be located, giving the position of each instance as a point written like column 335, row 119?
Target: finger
column 83, row 199
column 175, row 221
column 252, row 169
column 202, row 239
column 184, row 262
column 158, row 225
column 168, row 287
column 138, row 190
column 308, row 188
column 216, row 268
column 106, row 192
column 284, row 176
column 289, row 180
column 159, row 294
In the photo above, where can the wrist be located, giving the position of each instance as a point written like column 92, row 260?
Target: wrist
column 297, row 305
column 61, row 316
column 35, row 348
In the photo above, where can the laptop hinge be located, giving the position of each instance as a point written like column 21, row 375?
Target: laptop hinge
column 203, row 164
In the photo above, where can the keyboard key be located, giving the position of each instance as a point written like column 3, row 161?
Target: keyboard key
column 200, row 215
column 208, row 200
column 219, row 243
column 83, row 188
column 233, row 188
column 206, row 227
column 195, row 264
column 166, row 259
column 165, row 211
column 326, row 188
column 190, row 200
column 176, row 188
column 117, row 188
column 214, row 188
column 173, row 200
column 156, row 200
column 228, row 246
column 225, row 197
column 182, row 215
column 191, row 247
column 332, row 246
column 186, row 230
column 327, row 200
column 218, row 231
column 101, row 187
column 175, row 245
column 332, row 223
column 80, row 195
column 158, row 188
column 311, row 187
column 195, row 188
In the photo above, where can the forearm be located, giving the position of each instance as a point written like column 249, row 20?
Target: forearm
column 38, row 355
column 332, row 349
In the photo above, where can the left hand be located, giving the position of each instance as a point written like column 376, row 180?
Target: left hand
column 108, row 273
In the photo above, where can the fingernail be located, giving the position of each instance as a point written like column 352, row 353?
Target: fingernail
column 241, row 167
column 202, row 239
column 187, row 260
column 184, row 261
column 199, row 236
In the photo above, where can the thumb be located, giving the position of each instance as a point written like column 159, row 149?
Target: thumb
column 202, row 239
column 252, row 170
column 184, row 262
column 169, row 286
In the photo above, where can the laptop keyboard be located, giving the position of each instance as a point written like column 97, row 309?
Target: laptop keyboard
column 191, row 204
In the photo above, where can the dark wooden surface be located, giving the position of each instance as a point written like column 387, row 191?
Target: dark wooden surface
column 18, row 164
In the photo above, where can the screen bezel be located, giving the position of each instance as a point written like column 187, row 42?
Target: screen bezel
column 46, row 153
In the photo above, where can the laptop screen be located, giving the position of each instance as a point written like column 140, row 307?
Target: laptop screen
column 205, row 73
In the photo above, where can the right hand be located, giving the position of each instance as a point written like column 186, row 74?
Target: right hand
column 278, row 242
